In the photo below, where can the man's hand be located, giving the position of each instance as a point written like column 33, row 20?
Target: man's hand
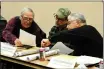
column 18, row 42
column 45, row 42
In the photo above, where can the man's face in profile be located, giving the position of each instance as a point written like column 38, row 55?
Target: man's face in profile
column 60, row 22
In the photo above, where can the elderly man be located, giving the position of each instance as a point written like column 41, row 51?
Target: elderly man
column 61, row 17
column 25, row 22
column 86, row 40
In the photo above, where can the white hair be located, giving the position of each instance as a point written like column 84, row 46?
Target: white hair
column 27, row 9
column 77, row 16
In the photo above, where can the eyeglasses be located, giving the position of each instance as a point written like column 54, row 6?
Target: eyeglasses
column 27, row 19
column 56, row 17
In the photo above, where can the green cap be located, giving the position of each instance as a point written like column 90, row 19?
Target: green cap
column 63, row 12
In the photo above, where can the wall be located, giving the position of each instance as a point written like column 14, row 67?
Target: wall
column 44, row 11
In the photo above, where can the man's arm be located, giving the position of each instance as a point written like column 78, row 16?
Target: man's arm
column 52, row 31
column 7, row 32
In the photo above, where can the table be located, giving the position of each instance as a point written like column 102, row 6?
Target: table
column 35, row 64
column 31, row 64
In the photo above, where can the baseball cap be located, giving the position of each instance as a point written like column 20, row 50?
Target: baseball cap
column 63, row 12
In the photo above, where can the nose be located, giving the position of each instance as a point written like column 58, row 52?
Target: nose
column 27, row 22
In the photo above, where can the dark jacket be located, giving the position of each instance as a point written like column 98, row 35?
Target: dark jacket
column 86, row 40
column 54, row 30
column 12, row 30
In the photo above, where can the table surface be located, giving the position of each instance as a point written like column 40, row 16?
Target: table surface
column 33, row 64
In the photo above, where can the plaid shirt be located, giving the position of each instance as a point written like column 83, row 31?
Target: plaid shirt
column 11, row 31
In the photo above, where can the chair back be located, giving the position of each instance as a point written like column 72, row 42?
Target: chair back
column 2, row 26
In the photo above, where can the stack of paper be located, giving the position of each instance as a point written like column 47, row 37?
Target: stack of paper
column 7, row 49
column 87, row 60
column 62, row 62
column 63, row 48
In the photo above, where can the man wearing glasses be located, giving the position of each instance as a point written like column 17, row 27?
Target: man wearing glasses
column 86, row 40
column 25, row 22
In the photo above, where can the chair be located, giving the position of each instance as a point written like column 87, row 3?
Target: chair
column 2, row 26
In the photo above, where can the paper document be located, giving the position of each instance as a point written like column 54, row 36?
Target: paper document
column 7, row 49
column 87, row 60
column 63, row 48
column 27, row 38
column 61, row 62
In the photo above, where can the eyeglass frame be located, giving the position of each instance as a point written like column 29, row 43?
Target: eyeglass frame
column 27, row 19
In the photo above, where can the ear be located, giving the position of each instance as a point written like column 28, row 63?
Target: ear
column 20, row 17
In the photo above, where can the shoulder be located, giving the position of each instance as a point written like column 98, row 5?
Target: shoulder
column 14, row 20
column 83, row 28
column 53, row 28
column 89, row 27
column 17, row 17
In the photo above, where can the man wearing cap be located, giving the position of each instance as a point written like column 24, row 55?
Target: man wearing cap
column 85, row 39
column 61, row 21
column 60, row 24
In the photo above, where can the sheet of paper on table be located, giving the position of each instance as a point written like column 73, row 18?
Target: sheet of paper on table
column 62, row 61
column 63, row 48
column 7, row 49
column 87, row 60
column 27, row 38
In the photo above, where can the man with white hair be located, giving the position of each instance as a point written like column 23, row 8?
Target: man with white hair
column 25, row 22
column 86, row 40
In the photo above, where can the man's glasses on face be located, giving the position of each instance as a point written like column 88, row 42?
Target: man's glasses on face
column 26, row 18
column 56, row 17
column 69, row 22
